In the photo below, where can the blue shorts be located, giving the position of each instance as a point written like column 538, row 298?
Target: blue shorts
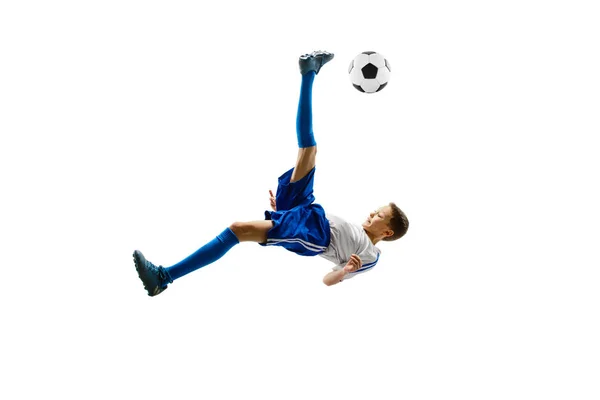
column 299, row 224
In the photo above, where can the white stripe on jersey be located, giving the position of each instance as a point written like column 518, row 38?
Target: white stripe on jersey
column 308, row 245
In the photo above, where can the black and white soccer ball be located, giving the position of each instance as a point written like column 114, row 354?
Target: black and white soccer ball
column 369, row 72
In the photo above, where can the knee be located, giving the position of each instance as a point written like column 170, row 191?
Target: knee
column 239, row 228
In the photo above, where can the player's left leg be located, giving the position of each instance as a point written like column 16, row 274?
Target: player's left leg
column 253, row 231
column 310, row 65
column 156, row 278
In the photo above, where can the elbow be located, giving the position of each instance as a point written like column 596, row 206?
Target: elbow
column 333, row 278
column 330, row 282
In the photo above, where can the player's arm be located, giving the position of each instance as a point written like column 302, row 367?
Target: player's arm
column 335, row 277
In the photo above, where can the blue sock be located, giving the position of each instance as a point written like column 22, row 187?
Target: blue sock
column 304, row 116
column 205, row 255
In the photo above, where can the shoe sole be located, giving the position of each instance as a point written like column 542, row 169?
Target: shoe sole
column 324, row 57
column 316, row 54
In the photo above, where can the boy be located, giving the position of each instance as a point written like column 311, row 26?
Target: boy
column 296, row 223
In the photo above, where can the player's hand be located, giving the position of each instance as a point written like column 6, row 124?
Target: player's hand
column 353, row 264
column 272, row 200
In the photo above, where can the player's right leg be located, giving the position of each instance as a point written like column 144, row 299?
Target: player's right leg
column 305, row 162
column 310, row 65
column 157, row 278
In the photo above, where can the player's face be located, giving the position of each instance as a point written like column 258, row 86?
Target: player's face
column 378, row 220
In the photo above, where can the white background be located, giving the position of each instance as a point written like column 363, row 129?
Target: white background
column 154, row 125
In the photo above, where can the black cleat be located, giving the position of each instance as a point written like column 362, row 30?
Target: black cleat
column 155, row 278
column 314, row 61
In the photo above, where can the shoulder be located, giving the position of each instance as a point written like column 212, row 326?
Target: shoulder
column 369, row 253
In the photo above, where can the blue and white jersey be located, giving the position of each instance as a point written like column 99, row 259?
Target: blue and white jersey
column 348, row 239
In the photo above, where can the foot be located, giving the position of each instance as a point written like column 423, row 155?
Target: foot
column 314, row 61
column 155, row 278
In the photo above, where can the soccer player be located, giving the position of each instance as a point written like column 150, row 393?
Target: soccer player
column 296, row 223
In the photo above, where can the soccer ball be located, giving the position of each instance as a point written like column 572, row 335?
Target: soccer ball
column 369, row 72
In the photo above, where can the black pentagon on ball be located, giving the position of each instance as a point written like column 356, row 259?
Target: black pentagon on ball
column 357, row 87
column 387, row 65
column 369, row 71
column 381, row 87
column 369, row 52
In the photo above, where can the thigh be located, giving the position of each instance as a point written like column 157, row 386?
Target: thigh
column 305, row 162
column 252, row 231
